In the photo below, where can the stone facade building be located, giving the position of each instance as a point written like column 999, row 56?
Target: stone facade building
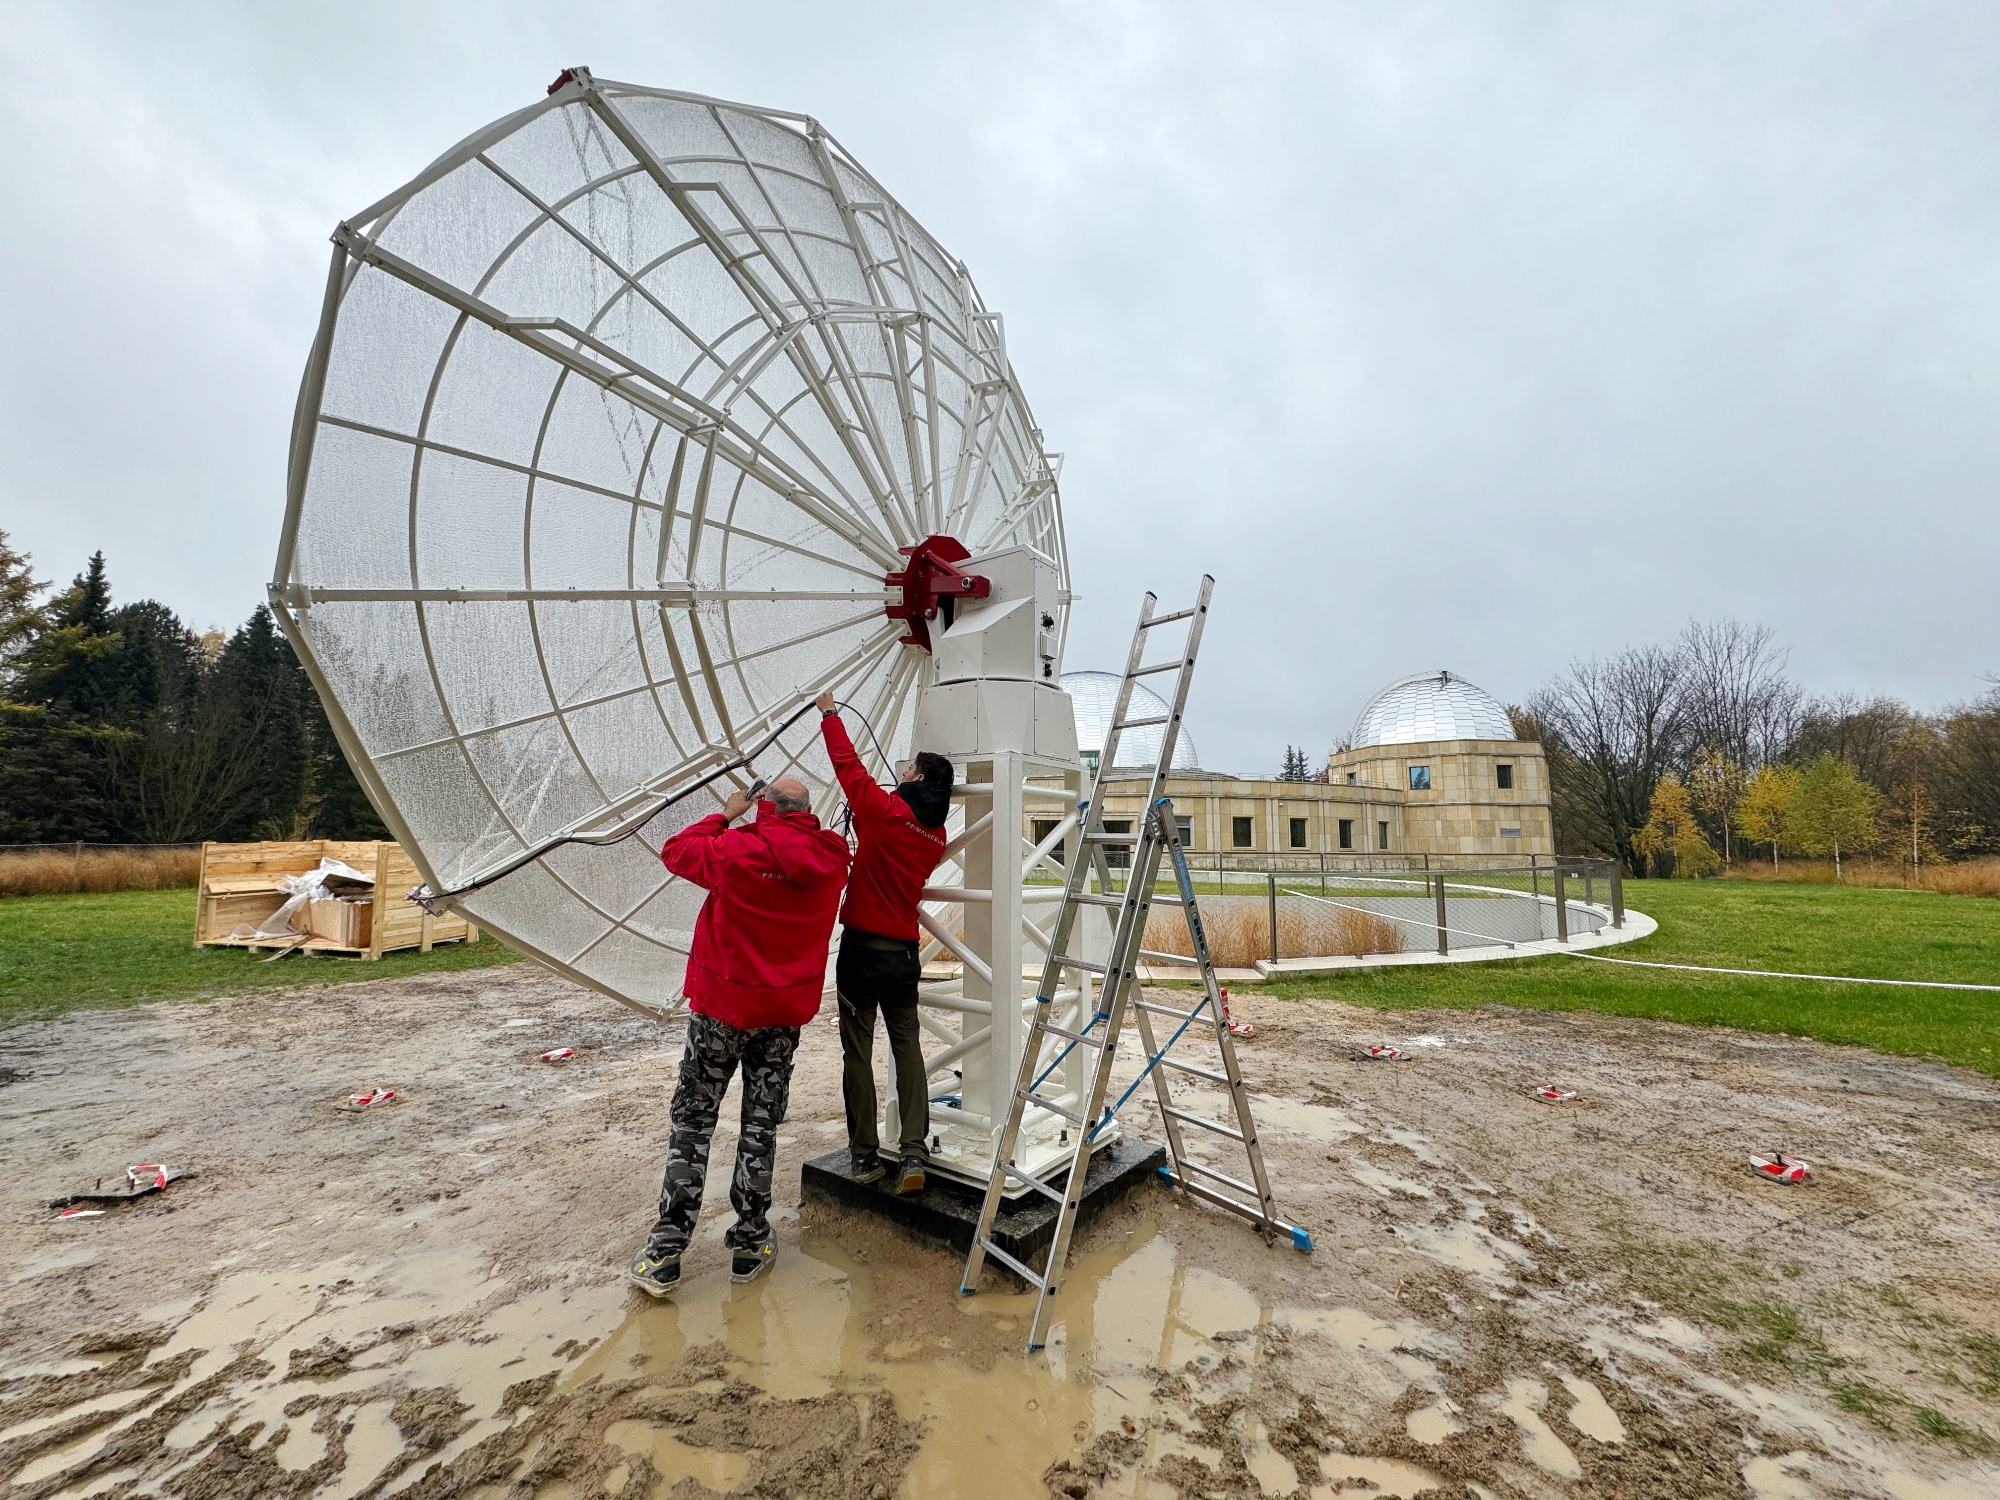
column 1431, row 768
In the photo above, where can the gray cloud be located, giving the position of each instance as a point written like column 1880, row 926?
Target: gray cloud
column 1444, row 336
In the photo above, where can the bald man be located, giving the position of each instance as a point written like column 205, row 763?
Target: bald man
column 754, row 977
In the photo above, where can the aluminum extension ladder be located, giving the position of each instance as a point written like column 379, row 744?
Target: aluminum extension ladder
column 1118, row 991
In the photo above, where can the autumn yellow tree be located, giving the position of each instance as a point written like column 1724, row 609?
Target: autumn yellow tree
column 1715, row 786
column 1834, row 809
column 1763, row 815
column 1671, row 830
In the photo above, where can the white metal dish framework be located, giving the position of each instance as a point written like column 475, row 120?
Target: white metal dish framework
column 619, row 433
column 620, row 416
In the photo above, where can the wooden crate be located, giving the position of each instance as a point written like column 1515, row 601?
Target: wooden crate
column 239, row 884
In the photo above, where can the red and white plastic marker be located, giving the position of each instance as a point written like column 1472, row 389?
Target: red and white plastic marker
column 1382, row 1054
column 81, row 1213
column 1778, row 1168
column 1548, row 1093
column 373, row 1096
column 134, row 1176
column 561, row 1054
column 1236, row 1028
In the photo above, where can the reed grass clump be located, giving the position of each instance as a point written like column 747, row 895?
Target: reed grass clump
column 1239, row 930
column 1967, row 877
column 64, row 872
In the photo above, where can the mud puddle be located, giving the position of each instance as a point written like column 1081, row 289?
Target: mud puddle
column 1506, row 1300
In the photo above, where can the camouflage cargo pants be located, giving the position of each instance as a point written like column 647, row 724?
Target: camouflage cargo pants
column 714, row 1051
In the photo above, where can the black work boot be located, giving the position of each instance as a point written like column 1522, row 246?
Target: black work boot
column 910, row 1177
column 867, row 1165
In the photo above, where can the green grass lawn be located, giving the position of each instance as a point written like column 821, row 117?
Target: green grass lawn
column 63, row 952
column 66, row 952
column 1815, row 929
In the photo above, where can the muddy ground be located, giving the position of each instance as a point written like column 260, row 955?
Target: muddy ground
column 1507, row 1299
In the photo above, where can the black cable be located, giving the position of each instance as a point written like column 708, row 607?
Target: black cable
column 425, row 898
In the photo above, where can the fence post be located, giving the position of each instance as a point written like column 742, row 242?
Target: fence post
column 1589, row 886
column 1617, row 894
column 1444, row 941
column 1274, row 916
column 1562, row 905
column 1534, row 878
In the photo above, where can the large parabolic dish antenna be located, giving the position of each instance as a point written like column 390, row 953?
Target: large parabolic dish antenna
column 616, row 420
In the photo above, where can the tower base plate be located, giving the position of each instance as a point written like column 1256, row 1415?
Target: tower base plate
column 947, row 1212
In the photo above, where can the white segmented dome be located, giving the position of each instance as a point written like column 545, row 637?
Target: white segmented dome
column 1095, row 694
column 1431, row 706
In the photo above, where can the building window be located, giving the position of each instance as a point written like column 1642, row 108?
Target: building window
column 1509, row 833
column 1298, row 833
column 1504, row 777
column 1184, row 831
column 1239, row 833
column 1347, row 833
column 1351, row 775
column 1118, row 856
column 1420, row 778
column 1043, row 828
column 1381, row 835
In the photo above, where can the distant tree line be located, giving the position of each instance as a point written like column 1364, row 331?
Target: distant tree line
column 1682, row 757
column 119, row 724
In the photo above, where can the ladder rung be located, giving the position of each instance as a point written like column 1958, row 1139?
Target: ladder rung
column 1011, row 1264
column 1179, row 614
column 1205, row 1124
column 1165, row 666
column 1081, row 963
column 1034, row 1182
column 1209, row 1073
column 1223, row 1200
column 1237, row 1183
column 1038, row 1102
column 1111, row 838
column 1141, row 723
column 1088, row 900
column 1178, row 1015
column 1183, row 960
column 1072, row 1036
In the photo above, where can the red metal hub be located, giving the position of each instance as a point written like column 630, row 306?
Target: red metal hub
column 932, row 581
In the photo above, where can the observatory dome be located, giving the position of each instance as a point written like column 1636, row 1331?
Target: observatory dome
column 1427, row 706
column 1095, row 694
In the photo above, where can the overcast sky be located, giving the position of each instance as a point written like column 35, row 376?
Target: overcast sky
column 1475, row 336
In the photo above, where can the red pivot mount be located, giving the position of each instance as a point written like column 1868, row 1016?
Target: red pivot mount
column 931, row 581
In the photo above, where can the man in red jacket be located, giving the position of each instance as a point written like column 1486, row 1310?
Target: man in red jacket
column 899, row 840
column 754, row 978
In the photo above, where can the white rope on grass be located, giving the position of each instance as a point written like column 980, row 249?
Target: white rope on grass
column 1922, row 984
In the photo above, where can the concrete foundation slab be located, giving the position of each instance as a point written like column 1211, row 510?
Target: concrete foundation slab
column 947, row 1212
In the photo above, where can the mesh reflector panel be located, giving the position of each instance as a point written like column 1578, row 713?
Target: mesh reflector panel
column 617, row 417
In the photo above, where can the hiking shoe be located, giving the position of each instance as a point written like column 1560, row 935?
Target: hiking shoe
column 656, row 1273
column 910, row 1178
column 868, row 1168
column 748, row 1265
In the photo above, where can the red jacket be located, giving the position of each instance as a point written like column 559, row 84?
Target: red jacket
column 760, row 943
column 894, row 853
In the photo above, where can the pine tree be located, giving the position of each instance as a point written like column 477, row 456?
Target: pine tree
column 339, row 809
column 1296, row 767
column 22, row 617
column 61, row 665
column 53, row 776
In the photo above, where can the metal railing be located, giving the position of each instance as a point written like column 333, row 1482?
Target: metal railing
column 1467, row 905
